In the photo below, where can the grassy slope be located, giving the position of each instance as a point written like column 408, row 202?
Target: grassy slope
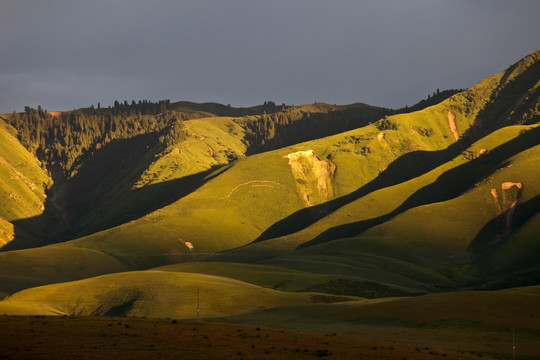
column 22, row 186
column 239, row 205
column 267, row 276
column 236, row 205
column 22, row 269
column 400, row 252
column 151, row 293
column 192, row 155
column 149, row 176
column 385, row 257
column 456, row 227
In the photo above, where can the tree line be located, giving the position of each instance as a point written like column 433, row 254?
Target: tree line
column 293, row 125
column 58, row 140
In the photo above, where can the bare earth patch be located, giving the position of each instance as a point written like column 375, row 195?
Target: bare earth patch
column 452, row 125
column 313, row 176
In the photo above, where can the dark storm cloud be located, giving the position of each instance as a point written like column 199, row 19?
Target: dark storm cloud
column 68, row 54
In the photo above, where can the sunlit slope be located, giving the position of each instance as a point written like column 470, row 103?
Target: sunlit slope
column 199, row 195
column 207, row 143
column 379, row 258
column 129, row 178
column 232, row 206
column 21, row 269
column 237, row 204
column 152, row 294
column 424, row 233
column 22, row 187
column 257, row 196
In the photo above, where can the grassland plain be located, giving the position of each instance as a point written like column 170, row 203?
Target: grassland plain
column 45, row 337
column 473, row 322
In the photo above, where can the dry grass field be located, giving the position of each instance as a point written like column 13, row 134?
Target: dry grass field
column 43, row 337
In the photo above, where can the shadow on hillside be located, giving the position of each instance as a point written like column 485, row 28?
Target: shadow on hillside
column 493, row 240
column 507, row 104
column 448, row 185
column 494, row 234
column 102, row 195
column 406, row 167
column 414, row 164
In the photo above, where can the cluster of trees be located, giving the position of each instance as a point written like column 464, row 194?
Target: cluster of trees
column 59, row 139
column 294, row 125
column 431, row 100
column 143, row 107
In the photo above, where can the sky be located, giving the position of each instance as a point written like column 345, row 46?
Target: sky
column 67, row 54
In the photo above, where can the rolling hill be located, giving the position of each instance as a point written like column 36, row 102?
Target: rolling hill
column 278, row 208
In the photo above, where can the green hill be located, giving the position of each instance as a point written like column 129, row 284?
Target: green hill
column 277, row 207
column 153, row 294
column 23, row 183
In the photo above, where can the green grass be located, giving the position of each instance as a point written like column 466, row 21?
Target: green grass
column 455, row 227
column 273, row 277
column 22, row 186
column 370, row 228
column 23, row 269
column 150, row 293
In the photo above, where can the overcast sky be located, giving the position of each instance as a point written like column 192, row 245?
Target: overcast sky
column 66, row 54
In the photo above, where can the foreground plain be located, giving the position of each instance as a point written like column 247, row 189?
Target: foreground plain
column 42, row 337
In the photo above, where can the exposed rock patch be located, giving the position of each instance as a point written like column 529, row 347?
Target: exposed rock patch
column 495, row 195
column 210, row 150
column 313, row 176
column 452, row 125
column 506, row 205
